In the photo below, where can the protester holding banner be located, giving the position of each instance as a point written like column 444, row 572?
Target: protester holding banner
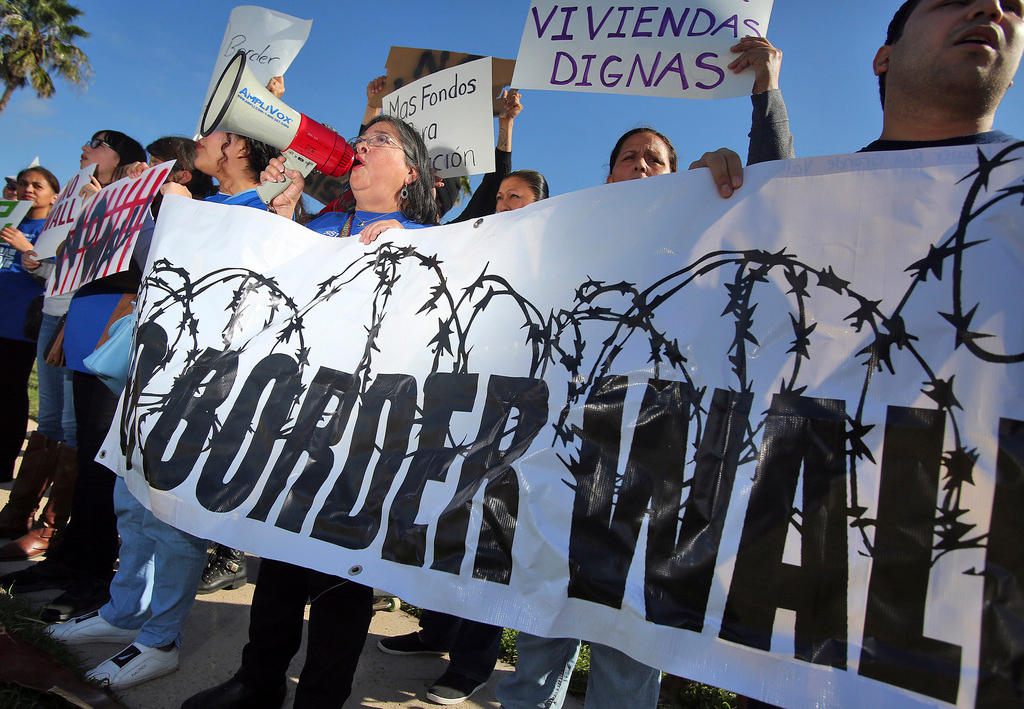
column 54, row 450
column 83, row 564
column 392, row 184
column 159, row 566
column 471, row 646
column 616, row 679
column 18, row 351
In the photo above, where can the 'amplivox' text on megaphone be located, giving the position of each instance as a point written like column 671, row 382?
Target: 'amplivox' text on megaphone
column 239, row 104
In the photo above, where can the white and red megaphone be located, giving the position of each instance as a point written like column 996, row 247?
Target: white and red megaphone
column 239, row 104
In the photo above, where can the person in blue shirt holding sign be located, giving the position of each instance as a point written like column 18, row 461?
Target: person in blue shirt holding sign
column 19, row 288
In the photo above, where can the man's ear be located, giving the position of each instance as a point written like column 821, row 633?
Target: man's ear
column 881, row 62
column 608, row 180
column 182, row 177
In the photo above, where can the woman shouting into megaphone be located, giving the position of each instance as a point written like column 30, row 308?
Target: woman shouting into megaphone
column 392, row 185
column 390, row 180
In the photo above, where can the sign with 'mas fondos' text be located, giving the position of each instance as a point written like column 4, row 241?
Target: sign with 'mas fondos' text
column 103, row 236
column 673, row 49
column 407, row 64
column 270, row 39
column 65, row 211
column 774, row 443
column 452, row 112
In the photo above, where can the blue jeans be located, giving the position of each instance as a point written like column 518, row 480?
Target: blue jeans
column 544, row 666
column 157, row 576
column 56, row 400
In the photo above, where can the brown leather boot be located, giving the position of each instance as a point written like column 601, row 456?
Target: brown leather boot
column 34, row 475
column 54, row 517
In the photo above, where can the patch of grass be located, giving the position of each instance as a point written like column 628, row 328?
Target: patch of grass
column 33, row 395
column 24, row 624
column 683, row 694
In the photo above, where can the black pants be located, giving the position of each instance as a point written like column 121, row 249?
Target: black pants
column 89, row 547
column 17, row 357
column 339, row 618
column 472, row 646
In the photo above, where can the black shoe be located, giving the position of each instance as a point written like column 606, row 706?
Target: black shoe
column 409, row 644
column 235, row 694
column 45, row 575
column 453, row 688
column 81, row 599
column 225, row 568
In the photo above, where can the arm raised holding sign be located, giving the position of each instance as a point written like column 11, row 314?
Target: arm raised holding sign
column 484, row 200
column 770, row 137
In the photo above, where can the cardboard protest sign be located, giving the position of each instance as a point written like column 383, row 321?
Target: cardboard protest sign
column 64, row 213
column 774, row 443
column 657, row 49
column 452, row 111
column 101, row 242
column 407, row 64
column 270, row 39
column 13, row 211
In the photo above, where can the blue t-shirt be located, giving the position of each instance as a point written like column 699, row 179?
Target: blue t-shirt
column 332, row 223
column 246, row 198
column 17, row 286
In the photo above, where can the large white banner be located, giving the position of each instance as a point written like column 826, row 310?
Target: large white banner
column 452, row 111
column 671, row 49
column 270, row 39
column 774, row 443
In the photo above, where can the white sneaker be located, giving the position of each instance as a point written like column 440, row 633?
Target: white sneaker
column 134, row 665
column 90, row 628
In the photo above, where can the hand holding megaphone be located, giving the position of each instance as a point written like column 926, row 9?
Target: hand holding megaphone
column 240, row 104
column 277, row 172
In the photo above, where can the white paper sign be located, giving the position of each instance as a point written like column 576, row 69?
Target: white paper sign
column 11, row 214
column 270, row 39
column 13, row 211
column 452, row 111
column 64, row 213
column 673, row 49
column 774, row 443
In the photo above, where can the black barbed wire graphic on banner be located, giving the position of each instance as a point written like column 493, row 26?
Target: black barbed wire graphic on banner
column 556, row 338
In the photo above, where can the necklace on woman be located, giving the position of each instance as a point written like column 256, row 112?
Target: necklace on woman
column 360, row 223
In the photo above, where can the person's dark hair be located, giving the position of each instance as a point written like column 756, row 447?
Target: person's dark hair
column 893, row 34
column 534, row 180
column 50, row 178
column 128, row 149
column 258, row 154
column 183, row 151
column 642, row 129
column 419, row 206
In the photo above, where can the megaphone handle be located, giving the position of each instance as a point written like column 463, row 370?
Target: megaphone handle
column 292, row 161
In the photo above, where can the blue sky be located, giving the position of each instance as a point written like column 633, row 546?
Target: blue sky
column 153, row 62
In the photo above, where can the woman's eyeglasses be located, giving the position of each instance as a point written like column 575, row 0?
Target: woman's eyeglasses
column 375, row 140
column 97, row 142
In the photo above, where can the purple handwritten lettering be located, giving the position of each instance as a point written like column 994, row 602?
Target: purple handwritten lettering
column 641, row 20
